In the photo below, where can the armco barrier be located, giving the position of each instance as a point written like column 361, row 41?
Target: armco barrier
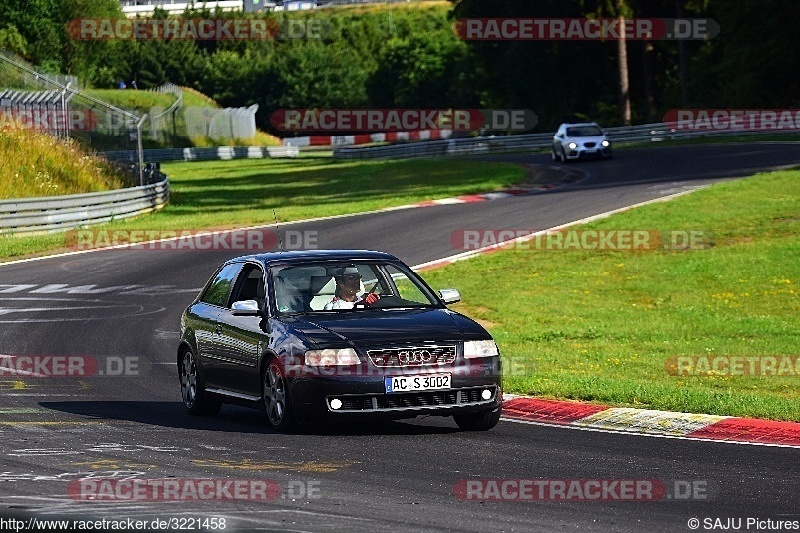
column 451, row 147
column 517, row 143
column 57, row 213
column 159, row 155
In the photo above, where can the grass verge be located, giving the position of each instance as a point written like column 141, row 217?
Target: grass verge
column 602, row 325
column 34, row 164
column 226, row 194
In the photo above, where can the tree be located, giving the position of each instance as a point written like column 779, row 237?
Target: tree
column 11, row 40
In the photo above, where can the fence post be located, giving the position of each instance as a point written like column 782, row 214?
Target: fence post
column 64, row 109
column 139, row 148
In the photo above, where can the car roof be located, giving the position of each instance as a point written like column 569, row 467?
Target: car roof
column 315, row 255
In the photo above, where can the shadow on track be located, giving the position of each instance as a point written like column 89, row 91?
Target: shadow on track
column 231, row 419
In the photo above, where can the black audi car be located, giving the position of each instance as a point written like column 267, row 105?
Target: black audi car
column 312, row 335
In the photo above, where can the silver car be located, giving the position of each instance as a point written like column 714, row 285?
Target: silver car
column 576, row 141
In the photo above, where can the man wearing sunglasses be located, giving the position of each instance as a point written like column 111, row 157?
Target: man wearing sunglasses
column 348, row 285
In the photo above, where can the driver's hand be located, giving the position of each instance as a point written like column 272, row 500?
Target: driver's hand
column 371, row 299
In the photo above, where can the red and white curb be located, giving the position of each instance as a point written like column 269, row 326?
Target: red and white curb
column 652, row 423
column 485, row 197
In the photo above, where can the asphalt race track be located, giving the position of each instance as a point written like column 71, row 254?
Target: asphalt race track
column 121, row 307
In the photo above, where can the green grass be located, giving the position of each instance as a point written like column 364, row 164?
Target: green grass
column 34, row 164
column 600, row 325
column 223, row 194
column 131, row 99
column 143, row 100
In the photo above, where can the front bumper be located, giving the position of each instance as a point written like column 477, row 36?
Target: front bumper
column 588, row 153
column 366, row 397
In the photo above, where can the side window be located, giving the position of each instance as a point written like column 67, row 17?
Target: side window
column 407, row 289
column 250, row 285
column 218, row 290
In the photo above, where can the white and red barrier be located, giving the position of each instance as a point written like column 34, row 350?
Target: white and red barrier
column 352, row 140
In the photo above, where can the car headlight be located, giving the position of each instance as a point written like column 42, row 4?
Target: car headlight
column 606, row 143
column 572, row 146
column 474, row 349
column 332, row 357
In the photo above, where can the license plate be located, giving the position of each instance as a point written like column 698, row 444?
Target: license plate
column 417, row 383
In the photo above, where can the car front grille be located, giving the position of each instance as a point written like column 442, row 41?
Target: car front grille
column 412, row 400
column 590, row 145
column 413, row 356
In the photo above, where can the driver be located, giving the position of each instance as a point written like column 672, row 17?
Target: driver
column 348, row 283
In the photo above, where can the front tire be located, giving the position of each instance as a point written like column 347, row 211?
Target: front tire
column 478, row 421
column 276, row 398
column 195, row 398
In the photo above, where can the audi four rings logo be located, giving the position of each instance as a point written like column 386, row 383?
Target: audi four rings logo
column 415, row 356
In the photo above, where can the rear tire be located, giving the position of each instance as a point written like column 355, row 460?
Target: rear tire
column 193, row 390
column 478, row 421
column 275, row 395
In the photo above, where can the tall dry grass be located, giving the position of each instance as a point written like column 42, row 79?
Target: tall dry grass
column 37, row 164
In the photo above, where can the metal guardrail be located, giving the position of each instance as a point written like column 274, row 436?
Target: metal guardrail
column 515, row 143
column 57, row 213
column 159, row 155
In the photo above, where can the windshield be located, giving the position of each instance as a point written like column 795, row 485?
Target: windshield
column 584, row 131
column 347, row 286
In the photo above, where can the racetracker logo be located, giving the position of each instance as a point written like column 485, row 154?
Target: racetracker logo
column 588, row 490
column 733, row 119
column 726, row 365
column 581, row 29
column 173, row 489
column 196, row 29
column 468, row 367
column 575, row 490
column 67, row 366
column 593, row 240
column 399, row 120
column 251, row 240
column 50, row 119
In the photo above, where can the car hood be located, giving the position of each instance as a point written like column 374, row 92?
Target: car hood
column 385, row 327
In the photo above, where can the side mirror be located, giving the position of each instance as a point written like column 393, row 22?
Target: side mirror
column 450, row 296
column 245, row 308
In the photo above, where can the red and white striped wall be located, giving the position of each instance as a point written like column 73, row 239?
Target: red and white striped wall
column 350, row 140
